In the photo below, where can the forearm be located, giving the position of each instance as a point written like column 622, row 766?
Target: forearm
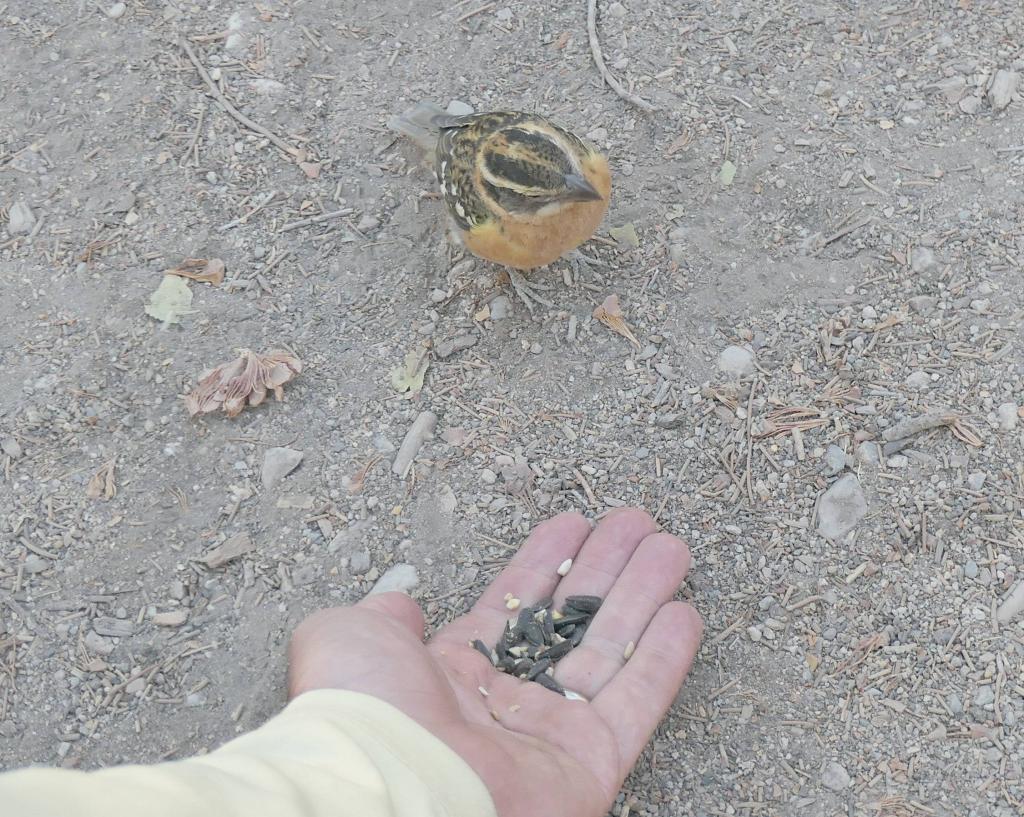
column 329, row 753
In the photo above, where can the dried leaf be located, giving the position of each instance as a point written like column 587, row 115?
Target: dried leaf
column 170, row 300
column 206, row 271
column 230, row 549
column 102, row 482
column 626, row 234
column 966, row 433
column 409, row 376
column 610, row 314
column 727, row 173
column 241, row 382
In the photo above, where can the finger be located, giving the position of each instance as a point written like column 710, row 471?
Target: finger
column 398, row 607
column 530, row 576
column 637, row 698
column 651, row 579
column 606, row 553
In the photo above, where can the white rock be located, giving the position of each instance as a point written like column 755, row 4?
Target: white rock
column 1001, row 91
column 970, row 104
column 116, row 11
column 279, row 463
column 976, row 480
column 1008, row 416
column 1012, row 605
column 842, row 506
column 458, row 108
column 617, row 10
column 488, row 477
column 835, row 777
column 736, row 360
column 919, row 380
column 504, row 15
column 501, row 308
column 922, row 259
column 21, row 219
column 835, row 460
column 401, row 578
column 360, row 562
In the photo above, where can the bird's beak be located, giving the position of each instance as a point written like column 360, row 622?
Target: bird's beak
column 579, row 189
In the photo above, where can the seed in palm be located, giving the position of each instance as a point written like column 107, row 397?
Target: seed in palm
column 539, row 637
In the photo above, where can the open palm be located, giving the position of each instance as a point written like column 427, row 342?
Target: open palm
column 536, row 751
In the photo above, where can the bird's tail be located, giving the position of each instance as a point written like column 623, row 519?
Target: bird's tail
column 418, row 124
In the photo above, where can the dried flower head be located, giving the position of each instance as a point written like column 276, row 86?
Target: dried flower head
column 245, row 380
column 610, row 314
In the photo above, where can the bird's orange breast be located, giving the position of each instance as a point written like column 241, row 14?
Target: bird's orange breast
column 537, row 240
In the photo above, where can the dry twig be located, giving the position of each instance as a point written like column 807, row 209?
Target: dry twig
column 606, row 75
column 225, row 103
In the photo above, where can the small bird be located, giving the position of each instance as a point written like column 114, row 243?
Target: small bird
column 520, row 190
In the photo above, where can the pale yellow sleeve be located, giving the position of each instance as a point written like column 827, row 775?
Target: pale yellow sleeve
column 328, row 754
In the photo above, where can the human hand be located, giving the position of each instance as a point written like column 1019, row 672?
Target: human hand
column 536, row 751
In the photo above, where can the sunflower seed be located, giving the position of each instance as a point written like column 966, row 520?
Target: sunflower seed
column 573, row 617
column 577, row 634
column 556, row 651
column 540, row 667
column 573, row 696
column 547, row 681
column 512, row 603
column 534, row 634
column 586, row 604
column 525, row 618
column 565, row 567
column 481, row 648
column 548, row 627
column 522, row 667
column 628, row 652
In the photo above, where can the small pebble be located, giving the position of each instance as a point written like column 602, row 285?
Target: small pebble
column 736, row 360
column 501, row 308
column 919, row 380
column 922, row 259
column 984, row 696
column 835, row 460
column 835, row 777
column 971, row 569
column 976, row 480
column 359, row 562
column 617, row 10
column 20, row 219
column 116, row 11
column 1008, row 414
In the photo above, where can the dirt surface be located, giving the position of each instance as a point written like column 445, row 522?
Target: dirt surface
column 828, row 203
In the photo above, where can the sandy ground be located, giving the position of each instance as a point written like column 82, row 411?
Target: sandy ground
column 827, row 206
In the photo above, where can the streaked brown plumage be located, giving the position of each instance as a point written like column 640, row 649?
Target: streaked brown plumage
column 520, row 190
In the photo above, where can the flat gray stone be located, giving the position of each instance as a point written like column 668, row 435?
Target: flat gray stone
column 20, row 219
column 401, row 578
column 842, row 506
column 736, row 360
column 277, row 464
column 835, row 777
column 115, row 627
column 359, row 562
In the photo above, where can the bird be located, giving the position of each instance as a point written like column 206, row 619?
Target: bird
column 520, row 190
